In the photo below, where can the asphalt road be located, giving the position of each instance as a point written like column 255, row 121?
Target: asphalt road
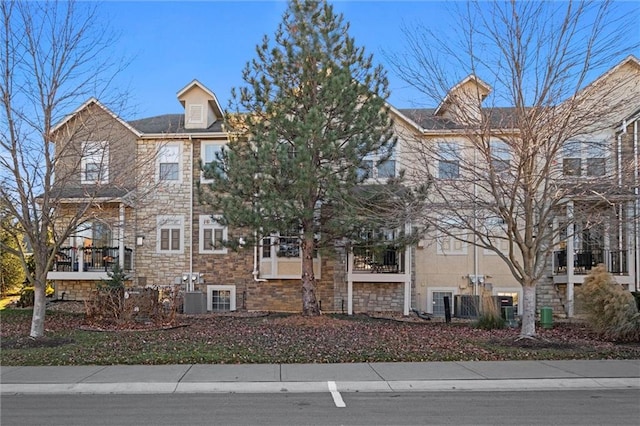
column 565, row 407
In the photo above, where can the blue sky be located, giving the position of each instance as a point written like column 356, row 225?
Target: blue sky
column 171, row 43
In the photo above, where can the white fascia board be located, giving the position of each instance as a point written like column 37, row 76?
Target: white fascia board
column 173, row 136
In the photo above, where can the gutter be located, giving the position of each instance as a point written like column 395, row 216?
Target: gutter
column 189, row 136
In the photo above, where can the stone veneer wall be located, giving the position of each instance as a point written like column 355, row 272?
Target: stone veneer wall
column 340, row 284
column 76, row 290
column 547, row 295
column 378, row 297
column 286, row 295
column 172, row 199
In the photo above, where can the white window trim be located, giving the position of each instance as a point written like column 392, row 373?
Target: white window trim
column 585, row 151
column 171, row 222
column 103, row 162
column 203, row 145
column 209, row 222
column 440, row 236
column 501, row 154
column 455, row 146
column 375, row 159
column 231, row 288
column 159, row 161
column 453, row 290
column 495, row 226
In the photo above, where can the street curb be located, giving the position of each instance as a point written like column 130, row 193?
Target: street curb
column 507, row 385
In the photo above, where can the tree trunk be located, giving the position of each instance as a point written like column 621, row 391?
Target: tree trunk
column 529, row 311
column 309, row 300
column 39, row 309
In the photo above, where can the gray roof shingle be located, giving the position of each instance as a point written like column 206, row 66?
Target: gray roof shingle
column 501, row 118
column 170, row 123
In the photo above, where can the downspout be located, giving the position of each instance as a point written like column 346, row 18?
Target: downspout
column 256, row 270
column 121, row 236
column 190, row 284
column 571, row 228
column 636, row 206
column 475, row 228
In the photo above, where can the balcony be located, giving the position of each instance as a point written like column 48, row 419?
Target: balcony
column 585, row 260
column 378, row 260
column 88, row 262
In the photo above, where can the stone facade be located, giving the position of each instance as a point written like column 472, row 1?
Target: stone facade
column 434, row 269
column 551, row 295
column 378, row 297
column 76, row 290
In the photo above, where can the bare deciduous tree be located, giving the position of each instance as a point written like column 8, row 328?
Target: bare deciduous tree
column 498, row 181
column 54, row 55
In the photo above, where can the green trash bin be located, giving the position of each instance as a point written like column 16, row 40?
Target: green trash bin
column 546, row 317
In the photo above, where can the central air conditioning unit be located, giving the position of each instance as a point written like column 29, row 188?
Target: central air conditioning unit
column 195, row 302
column 503, row 301
column 466, row 306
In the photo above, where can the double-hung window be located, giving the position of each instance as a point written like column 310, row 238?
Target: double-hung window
column 584, row 158
column 94, row 164
column 169, row 155
column 288, row 246
column 572, row 159
column 170, row 234
column 377, row 167
column 210, row 153
column 450, row 238
column 448, row 161
column 212, row 235
column 500, row 156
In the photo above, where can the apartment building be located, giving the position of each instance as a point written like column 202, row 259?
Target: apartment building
column 147, row 216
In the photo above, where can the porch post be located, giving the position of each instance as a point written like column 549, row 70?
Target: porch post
column 80, row 258
column 407, row 281
column 121, row 236
column 570, row 257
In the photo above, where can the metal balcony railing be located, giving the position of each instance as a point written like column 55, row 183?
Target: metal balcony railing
column 383, row 260
column 92, row 259
column 585, row 260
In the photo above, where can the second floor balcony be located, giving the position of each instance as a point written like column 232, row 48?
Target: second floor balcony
column 88, row 262
column 378, row 260
column 616, row 261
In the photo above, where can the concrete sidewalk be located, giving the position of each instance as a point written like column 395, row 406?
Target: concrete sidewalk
column 357, row 377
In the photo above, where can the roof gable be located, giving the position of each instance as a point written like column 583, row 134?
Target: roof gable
column 195, row 85
column 87, row 104
column 471, row 89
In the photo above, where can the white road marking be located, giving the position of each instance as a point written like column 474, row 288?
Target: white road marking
column 337, row 398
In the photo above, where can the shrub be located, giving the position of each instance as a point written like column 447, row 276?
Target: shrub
column 107, row 301
column 27, row 296
column 636, row 295
column 611, row 310
column 490, row 322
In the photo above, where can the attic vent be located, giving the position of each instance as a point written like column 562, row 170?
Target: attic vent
column 196, row 114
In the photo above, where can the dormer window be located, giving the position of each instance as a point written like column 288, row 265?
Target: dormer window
column 201, row 108
column 195, row 115
column 94, row 166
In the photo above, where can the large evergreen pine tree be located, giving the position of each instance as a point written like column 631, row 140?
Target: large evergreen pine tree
column 313, row 108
